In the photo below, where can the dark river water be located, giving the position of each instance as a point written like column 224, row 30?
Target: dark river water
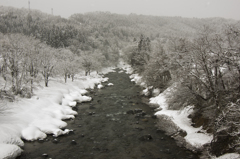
column 115, row 125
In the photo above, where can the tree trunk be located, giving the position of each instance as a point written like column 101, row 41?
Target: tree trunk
column 65, row 78
column 222, row 81
column 72, row 77
column 238, row 78
column 32, row 86
column 46, row 81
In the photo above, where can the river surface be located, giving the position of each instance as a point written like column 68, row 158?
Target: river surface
column 116, row 124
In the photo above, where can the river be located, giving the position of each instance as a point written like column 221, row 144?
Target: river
column 116, row 124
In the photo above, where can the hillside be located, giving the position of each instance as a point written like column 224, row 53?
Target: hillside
column 152, row 26
column 100, row 29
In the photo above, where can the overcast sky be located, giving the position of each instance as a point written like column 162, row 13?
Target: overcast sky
column 183, row 8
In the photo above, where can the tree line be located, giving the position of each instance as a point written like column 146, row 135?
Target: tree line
column 35, row 46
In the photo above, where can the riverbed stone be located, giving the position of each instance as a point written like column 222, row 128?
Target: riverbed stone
column 45, row 155
column 55, row 141
column 92, row 107
column 182, row 133
column 154, row 116
column 41, row 140
column 147, row 116
column 73, row 142
column 130, row 112
column 96, row 149
column 139, row 127
column 75, row 108
column 147, row 137
column 140, row 115
column 137, row 110
column 167, row 151
column 144, row 120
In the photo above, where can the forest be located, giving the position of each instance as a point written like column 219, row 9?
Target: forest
column 200, row 55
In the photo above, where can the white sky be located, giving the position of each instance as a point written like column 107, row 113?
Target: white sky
column 184, row 8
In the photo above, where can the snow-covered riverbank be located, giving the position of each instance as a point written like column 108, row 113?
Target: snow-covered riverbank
column 196, row 137
column 31, row 119
column 179, row 117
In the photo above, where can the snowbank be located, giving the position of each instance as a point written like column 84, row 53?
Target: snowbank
column 107, row 70
column 125, row 67
column 156, row 92
column 100, row 86
column 229, row 156
column 9, row 151
column 180, row 118
column 32, row 119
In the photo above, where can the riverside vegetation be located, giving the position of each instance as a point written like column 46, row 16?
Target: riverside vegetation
column 201, row 55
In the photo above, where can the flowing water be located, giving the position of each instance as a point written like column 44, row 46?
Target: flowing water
column 115, row 125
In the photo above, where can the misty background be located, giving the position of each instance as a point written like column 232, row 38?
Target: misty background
column 184, row 8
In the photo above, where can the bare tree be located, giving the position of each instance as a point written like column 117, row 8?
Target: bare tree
column 66, row 63
column 32, row 60
column 47, row 62
column 14, row 66
column 92, row 61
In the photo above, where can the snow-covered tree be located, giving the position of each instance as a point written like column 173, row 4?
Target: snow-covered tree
column 92, row 61
column 67, row 63
column 13, row 65
column 47, row 62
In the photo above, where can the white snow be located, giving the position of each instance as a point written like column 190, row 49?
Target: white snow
column 180, row 118
column 34, row 118
column 107, row 70
column 145, row 92
column 100, row 86
column 33, row 133
column 125, row 67
column 9, row 151
column 121, row 71
column 138, row 80
column 229, row 156
column 110, row 84
column 156, row 92
column 105, row 79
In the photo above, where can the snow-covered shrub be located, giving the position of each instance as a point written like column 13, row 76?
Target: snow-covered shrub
column 227, row 125
column 180, row 98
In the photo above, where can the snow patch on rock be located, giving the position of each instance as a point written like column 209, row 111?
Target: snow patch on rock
column 100, row 86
